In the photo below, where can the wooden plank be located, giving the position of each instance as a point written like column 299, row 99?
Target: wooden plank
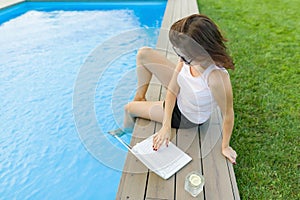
column 157, row 187
column 163, row 37
column 188, row 141
column 193, row 7
column 218, row 182
column 235, row 190
column 185, row 8
column 176, row 16
column 134, row 171
column 133, row 182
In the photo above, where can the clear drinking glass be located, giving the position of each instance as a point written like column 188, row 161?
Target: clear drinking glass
column 194, row 183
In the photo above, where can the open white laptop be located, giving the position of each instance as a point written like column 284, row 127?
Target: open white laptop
column 165, row 162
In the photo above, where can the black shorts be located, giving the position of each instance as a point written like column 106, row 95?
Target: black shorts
column 179, row 120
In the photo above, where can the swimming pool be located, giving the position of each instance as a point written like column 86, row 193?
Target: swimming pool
column 45, row 49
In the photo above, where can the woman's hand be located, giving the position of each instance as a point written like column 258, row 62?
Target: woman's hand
column 161, row 137
column 229, row 153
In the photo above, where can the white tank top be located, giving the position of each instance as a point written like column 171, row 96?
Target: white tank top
column 195, row 100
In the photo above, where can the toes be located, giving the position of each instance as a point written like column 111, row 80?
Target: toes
column 118, row 132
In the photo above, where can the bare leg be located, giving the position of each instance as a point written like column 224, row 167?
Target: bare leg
column 152, row 110
column 149, row 62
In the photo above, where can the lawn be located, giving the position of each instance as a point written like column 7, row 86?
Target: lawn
column 264, row 40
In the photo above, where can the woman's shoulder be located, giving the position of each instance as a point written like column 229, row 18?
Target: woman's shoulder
column 217, row 75
column 211, row 69
column 216, row 67
column 223, row 69
column 179, row 66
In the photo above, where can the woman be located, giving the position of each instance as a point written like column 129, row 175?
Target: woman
column 195, row 85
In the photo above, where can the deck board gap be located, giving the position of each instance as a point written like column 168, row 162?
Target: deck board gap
column 232, row 187
column 201, row 163
column 146, row 185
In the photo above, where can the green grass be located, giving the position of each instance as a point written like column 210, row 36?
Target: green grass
column 264, row 40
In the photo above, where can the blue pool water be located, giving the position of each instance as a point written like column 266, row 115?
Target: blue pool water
column 45, row 49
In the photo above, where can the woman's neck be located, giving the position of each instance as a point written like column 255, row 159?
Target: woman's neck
column 196, row 70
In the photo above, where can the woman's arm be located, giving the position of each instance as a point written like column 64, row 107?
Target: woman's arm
column 164, row 134
column 220, row 85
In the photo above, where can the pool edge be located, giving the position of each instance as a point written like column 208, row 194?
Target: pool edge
column 8, row 3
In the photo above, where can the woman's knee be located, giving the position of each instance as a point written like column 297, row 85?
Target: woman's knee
column 132, row 109
column 144, row 52
column 128, row 107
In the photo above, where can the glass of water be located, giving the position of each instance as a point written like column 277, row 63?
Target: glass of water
column 194, row 183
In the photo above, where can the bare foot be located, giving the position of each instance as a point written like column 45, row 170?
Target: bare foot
column 118, row 132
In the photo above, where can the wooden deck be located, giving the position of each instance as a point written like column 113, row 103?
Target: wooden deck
column 203, row 143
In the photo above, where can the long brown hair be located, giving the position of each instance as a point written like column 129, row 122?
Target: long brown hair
column 206, row 33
